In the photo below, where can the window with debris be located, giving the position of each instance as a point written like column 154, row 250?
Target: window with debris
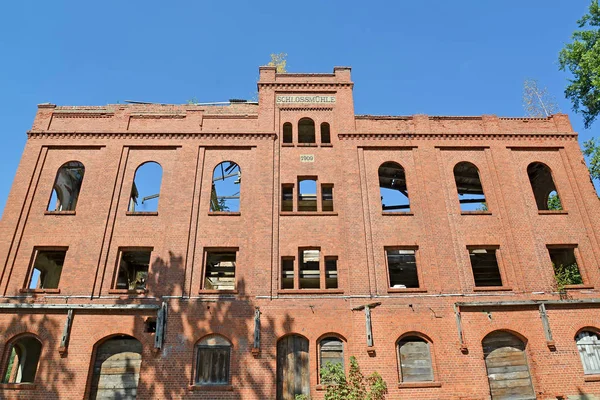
column 484, row 263
column 307, row 194
column 310, row 271
column 542, row 184
column 331, row 351
column 588, row 346
column 133, row 269
column 392, row 188
column 327, row 197
column 213, row 354
column 145, row 189
column 287, row 133
column 325, row 133
column 22, row 361
column 226, row 187
column 47, row 268
column 306, row 131
column 468, row 185
column 67, row 186
column 414, row 358
column 220, row 270
column 402, row 268
column 287, row 197
column 566, row 269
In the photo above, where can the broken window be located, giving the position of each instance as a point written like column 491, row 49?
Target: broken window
column 47, row 268
column 392, row 188
column 133, row 269
column 566, row 270
column 287, row 133
column 287, row 197
column 588, row 346
column 325, row 133
column 331, row 351
column 485, row 267
column 67, row 186
column 225, row 193
column 22, row 361
column 331, row 273
column 287, row 272
column 310, row 271
column 327, row 197
column 306, row 131
column 402, row 268
column 542, row 184
column 307, row 194
column 468, row 185
column 414, row 356
column 220, row 270
column 146, row 188
column 213, row 354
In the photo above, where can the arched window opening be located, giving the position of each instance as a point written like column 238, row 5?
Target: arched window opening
column 542, row 184
column 468, row 185
column 22, row 363
column 307, row 194
column 67, row 186
column 507, row 367
column 588, row 345
column 306, row 131
column 325, row 133
column 116, row 369
column 414, row 358
column 287, row 133
column 146, row 188
column 293, row 372
column 226, row 187
column 331, row 351
column 392, row 188
column 213, row 355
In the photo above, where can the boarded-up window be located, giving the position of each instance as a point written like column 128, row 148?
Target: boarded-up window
column 588, row 346
column 325, row 133
column 287, row 133
column 293, row 373
column 47, row 269
column 402, row 268
column 306, row 131
column 220, row 270
column 23, row 360
column 507, row 368
column 67, row 185
column 415, row 360
column 485, row 267
column 212, row 361
column 331, row 351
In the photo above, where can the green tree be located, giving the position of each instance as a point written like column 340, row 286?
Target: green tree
column 582, row 59
column 355, row 387
column 591, row 149
column 554, row 202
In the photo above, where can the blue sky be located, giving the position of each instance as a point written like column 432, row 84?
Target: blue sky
column 464, row 57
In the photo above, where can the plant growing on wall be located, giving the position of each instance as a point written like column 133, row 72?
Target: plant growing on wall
column 566, row 275
column 355, row 387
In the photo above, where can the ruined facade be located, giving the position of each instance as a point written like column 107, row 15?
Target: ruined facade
column 229, row 251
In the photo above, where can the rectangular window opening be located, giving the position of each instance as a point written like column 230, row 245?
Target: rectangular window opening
column 402, row 267
column 213, row 365
column 309, row 269
column 133, row 269
column 327, row 197
column 220, row 270
column 47, row 269
column 331, row 273
column 287, row 273
column 566, row 270
column 485, row 267
column 287, row 198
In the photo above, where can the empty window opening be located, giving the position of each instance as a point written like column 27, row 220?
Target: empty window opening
column 485, row 267
column 67, row 186
column 287, row 197
column 306, row 131
column 307, row 195
column 47, row 268
column 23, row 360
column 150, row 325
column 287, row 273
column 402, row 267
column 213, row 356
column 133, row 269
column 392, row 188
column 331, row 273
column 588, row 346
column 325, row 133
column 566, row 270
column 226, row 184
column 327, row 197
column 146, row 188
column 331, row 351
column 468, row 185
column 310, row 274
column 542, row 184
column 415, row 360
column 287, row 133
column 220, row 270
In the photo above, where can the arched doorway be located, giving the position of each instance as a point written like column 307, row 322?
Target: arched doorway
column 507, row 368
column 292, row 367
column 116, row 369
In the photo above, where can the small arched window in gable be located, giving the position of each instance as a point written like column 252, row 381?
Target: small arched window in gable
column 22, row 362
column 468, row 185
column 226, row 187
column 146, row 188
column 542, row 184
column 588, row 345
column 306, row 131
column 67, row 185
column 414, row 358
column 392, row 188
column 213, row 355
column 325, row 133
column 287, row 133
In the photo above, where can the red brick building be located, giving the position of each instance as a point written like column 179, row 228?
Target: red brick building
column 288, row 232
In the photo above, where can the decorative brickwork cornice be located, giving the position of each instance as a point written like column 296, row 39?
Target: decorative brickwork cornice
column 149, row 135
column 305, row 86
column 456, row 136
